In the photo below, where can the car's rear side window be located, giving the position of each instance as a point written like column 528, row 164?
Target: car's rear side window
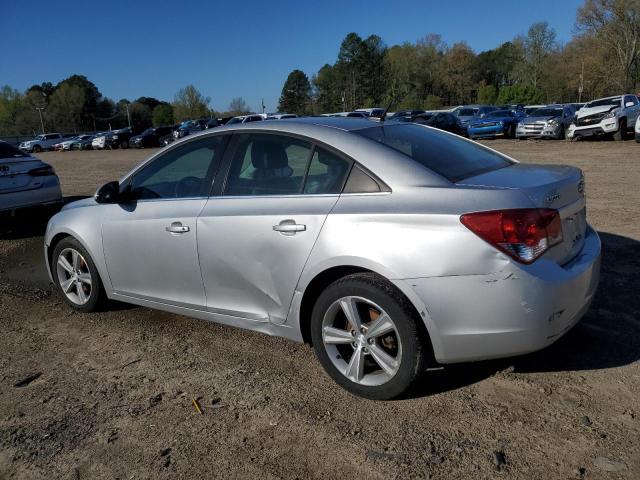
column 447, row 155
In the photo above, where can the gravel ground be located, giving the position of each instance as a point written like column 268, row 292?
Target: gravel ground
column 110, row 395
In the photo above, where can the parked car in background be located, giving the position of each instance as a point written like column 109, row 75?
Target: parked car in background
column 441, row 120
column 371, row 112
column 529, row 109
column 150, row 137
column 257, row 117
column 403, row 114
column 120, row 138
column 83, row 143
column 470, row 113
column 350, row 114
column 26, row 181
column 41, row 142
column 551, row 121
column 615, row 116
column 637, row 129
column 390, row 247
column 499, row 123
column 280, row 116
column 68, row 143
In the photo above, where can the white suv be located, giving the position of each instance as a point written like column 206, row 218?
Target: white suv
column 606, row 116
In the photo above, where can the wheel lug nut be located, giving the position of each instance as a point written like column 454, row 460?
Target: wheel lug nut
column 362, row 330
column 365, row 350
column 370, row 341
column 353, row 333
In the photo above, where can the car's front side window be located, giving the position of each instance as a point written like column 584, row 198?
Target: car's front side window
column 182, row 172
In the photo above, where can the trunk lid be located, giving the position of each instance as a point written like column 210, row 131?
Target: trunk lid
column 547, row 186
column 14, row 173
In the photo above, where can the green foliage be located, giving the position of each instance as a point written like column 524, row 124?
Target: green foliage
column 487, row 94
column 189, row 103
column 296, row 94
column 162, row 115
column 237, row 106
column 519, row 94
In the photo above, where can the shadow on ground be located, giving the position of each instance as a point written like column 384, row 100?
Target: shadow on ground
column 608, row 336
column 31, row 222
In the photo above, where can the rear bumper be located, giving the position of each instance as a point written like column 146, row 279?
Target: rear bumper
column 48, row 194
column 516, row 311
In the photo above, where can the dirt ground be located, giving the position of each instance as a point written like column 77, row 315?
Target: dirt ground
column 109, row 395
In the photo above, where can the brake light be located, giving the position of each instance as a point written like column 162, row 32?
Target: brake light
column 523, row 233
column 42, row 171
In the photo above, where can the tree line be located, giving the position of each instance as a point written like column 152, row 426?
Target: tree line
column 75, row 105
column 602, row 58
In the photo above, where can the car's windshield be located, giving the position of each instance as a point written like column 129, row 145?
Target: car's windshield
column 500, row 113
column 547, row 112
column 9, row 151
column 465, row 112
column 234, row 120
column 148, row 131
column 605, row 102
column 448, row 155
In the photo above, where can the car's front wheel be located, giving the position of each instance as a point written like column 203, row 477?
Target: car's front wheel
column 621, row 134
column 76, row 276
column 37, row 149
column 367, row 337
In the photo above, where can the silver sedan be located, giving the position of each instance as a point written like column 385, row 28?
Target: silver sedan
column 388, row 247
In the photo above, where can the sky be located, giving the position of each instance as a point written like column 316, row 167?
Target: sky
column 234, row 48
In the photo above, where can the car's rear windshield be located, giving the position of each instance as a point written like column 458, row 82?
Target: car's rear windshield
column 547, row 112
column 9, row 151
column 448, row 155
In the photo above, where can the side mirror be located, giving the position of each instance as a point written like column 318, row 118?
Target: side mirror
column 108, row 193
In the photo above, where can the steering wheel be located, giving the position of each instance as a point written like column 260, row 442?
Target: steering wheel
column 187, row 187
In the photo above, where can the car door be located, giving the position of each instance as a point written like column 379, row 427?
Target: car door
column 633, row 111
column 149, row 241
column 256, row 234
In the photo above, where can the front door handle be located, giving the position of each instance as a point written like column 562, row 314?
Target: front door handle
column 289, row 227
column 177, row 228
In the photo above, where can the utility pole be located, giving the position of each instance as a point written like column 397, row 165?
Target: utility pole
column 263, row 107
column 581, row 86
column 128, row 115
column 40, row 109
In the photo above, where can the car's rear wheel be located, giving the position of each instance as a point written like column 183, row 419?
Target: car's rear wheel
column 76, row 275
column 367, row 337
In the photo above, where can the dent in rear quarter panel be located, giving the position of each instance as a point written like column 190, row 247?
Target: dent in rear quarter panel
column 410, row 233
column 84, row 224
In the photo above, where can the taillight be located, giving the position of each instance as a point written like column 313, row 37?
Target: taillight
column 522, row 233
column 42, row 171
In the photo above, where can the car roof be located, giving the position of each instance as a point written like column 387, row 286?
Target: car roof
column 337, row 133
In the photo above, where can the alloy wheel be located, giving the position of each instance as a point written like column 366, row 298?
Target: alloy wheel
column 74, row 276
column 362, row 341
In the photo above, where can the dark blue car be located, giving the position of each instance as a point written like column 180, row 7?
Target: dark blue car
column 500, row 123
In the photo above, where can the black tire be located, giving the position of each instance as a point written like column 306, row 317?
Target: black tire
column 561, row 135
column 512, row 132
column 97, row 295
column 621, row 134
column 411, row 333
column 124, row 144
column 37, row 149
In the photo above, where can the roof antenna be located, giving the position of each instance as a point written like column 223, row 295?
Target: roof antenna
column 396, row 100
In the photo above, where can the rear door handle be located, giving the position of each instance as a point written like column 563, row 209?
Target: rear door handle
column 289, row 227
column 177, row 228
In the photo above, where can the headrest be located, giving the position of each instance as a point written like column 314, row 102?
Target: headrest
column 267, row 155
